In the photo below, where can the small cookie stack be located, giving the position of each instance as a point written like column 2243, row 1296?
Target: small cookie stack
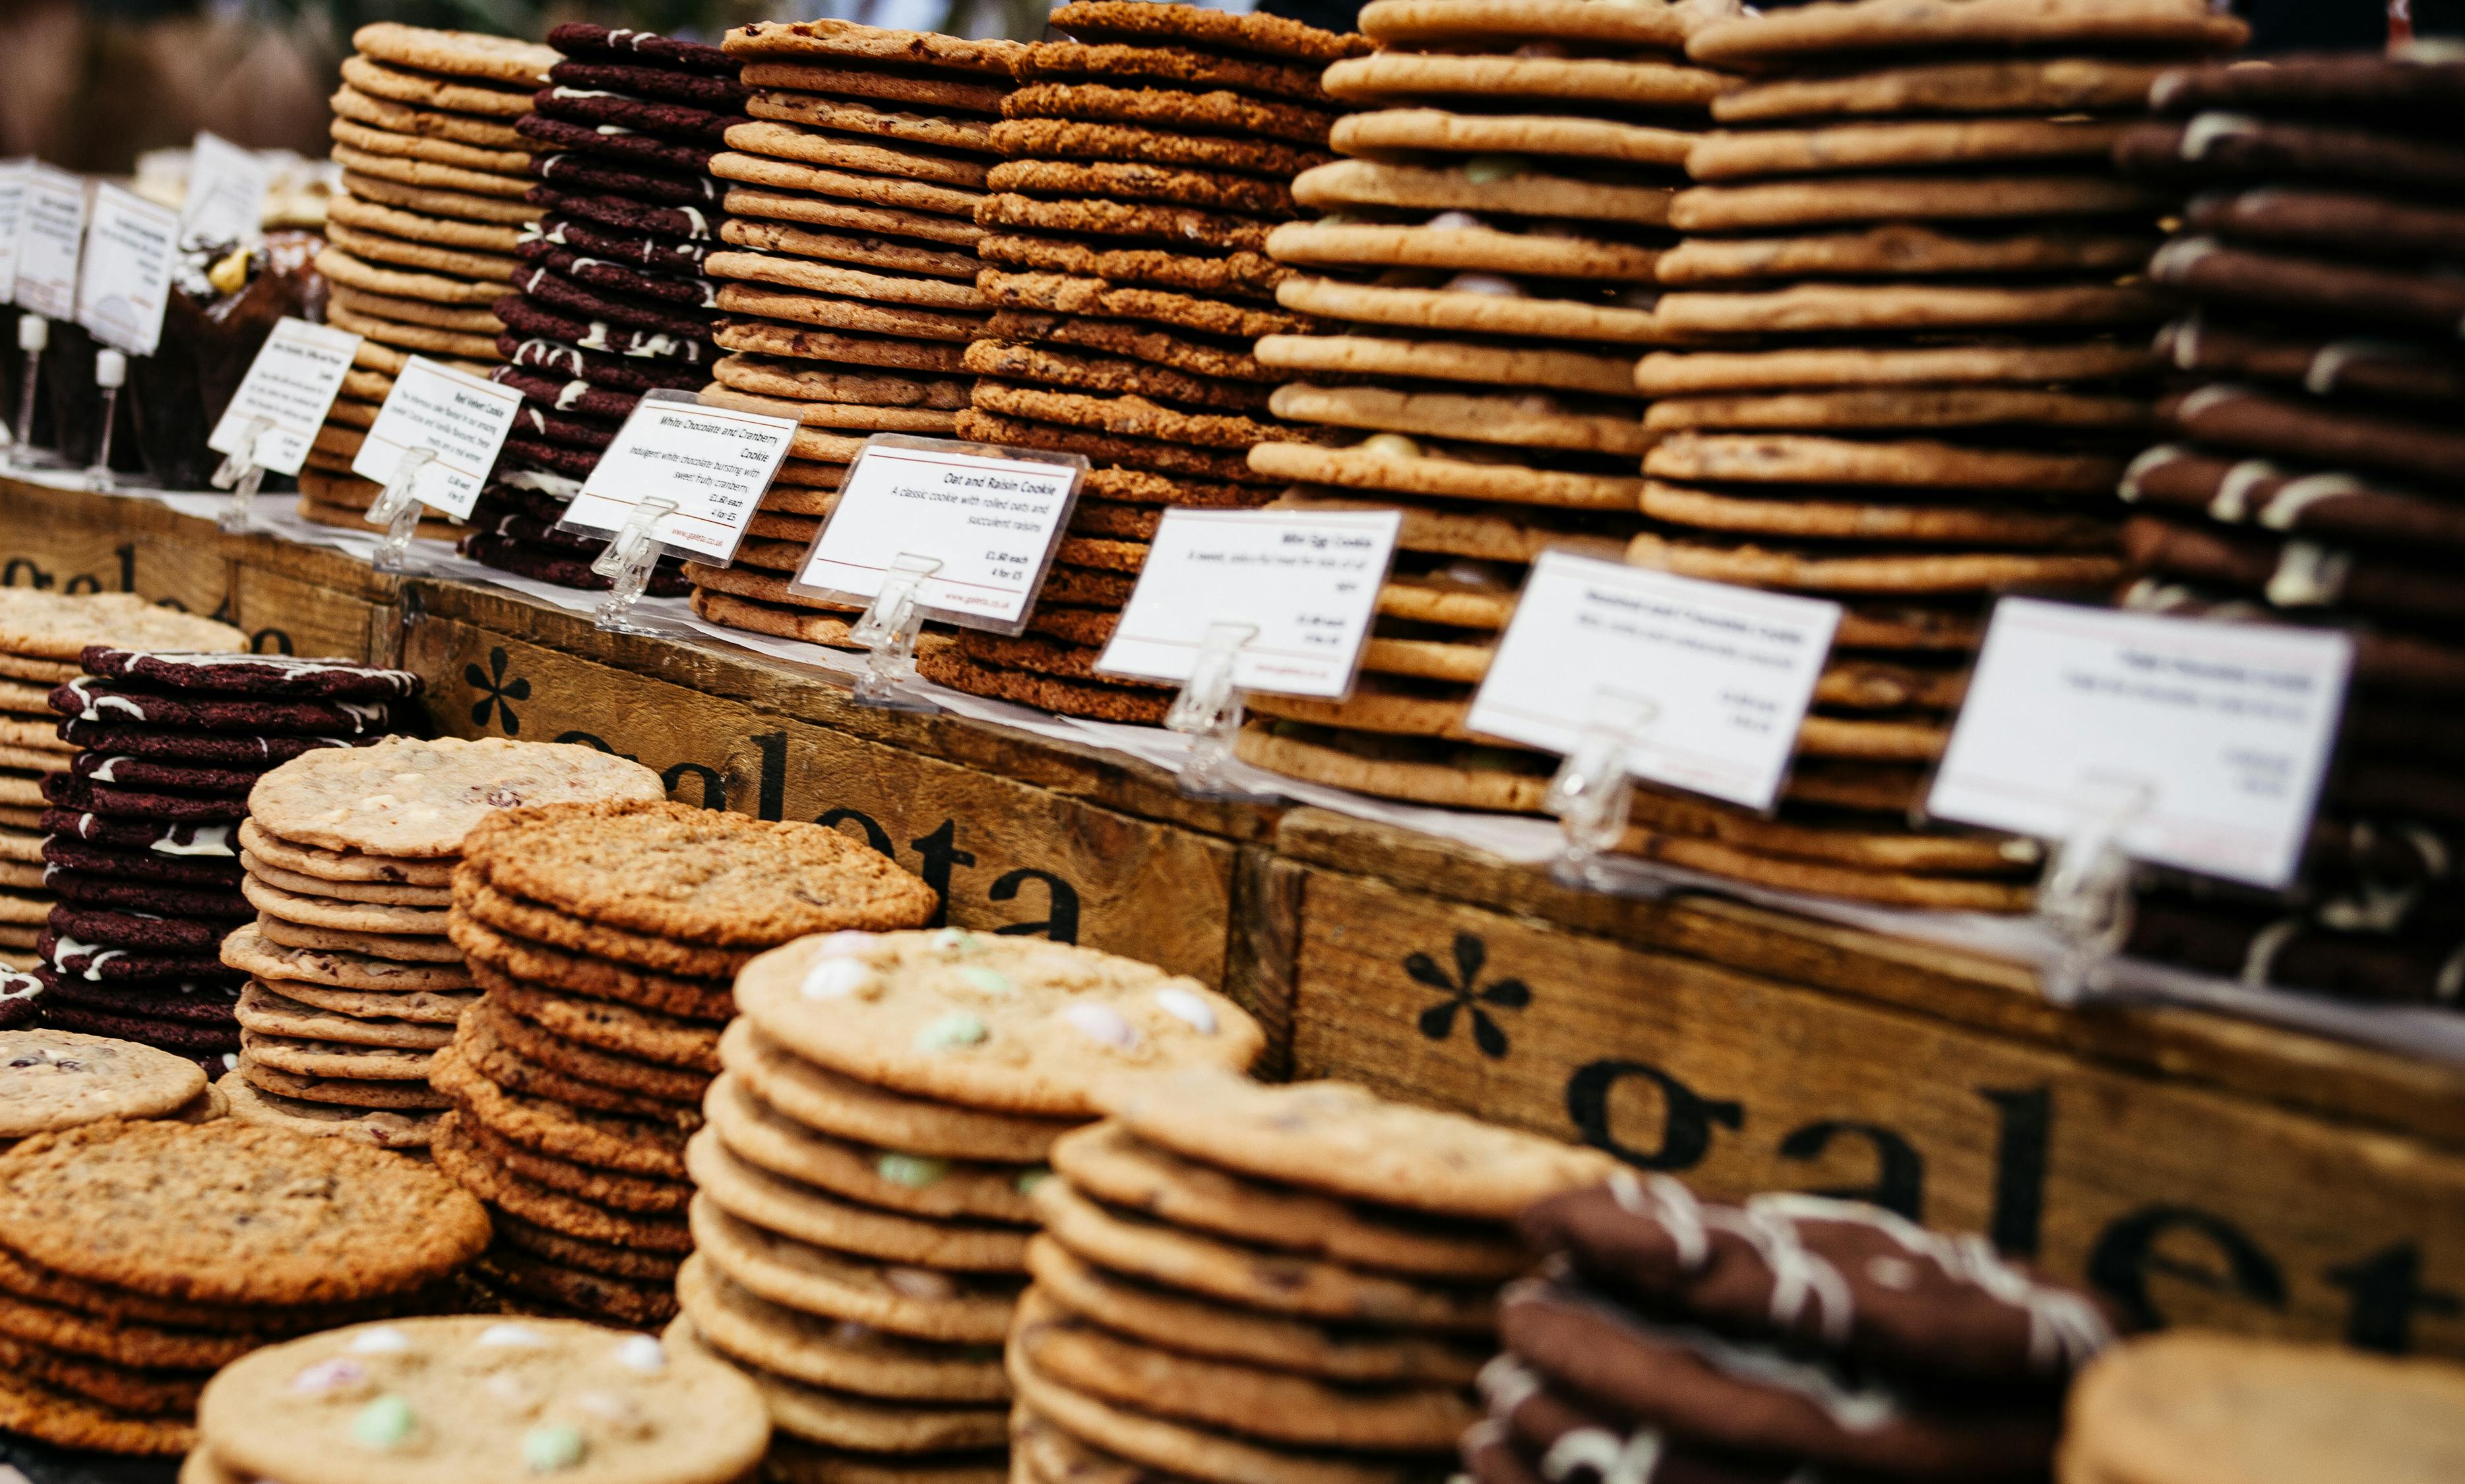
column 354, row 987
column 1238, row 1281
column 60, row 1079
column 610, row 302
column 1491, row 244
column 848, row 273
column 1146, row 159
column 42, row 636
column 142, row 848
column 604, row 937
column 1815, row 1337
column 135, row 1257
column 862, row 1222
column 2185, row 1407
column 454, row 1401
column 2317, row 473
column 420, row 239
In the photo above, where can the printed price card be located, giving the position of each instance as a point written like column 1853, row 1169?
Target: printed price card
column 13, row 174
column 1308, row 580
column 463, row 419
column 2222, row 731
column 291, row 384
column 226, row 199
column 51, row 237
column 713, row 462
column 991, row 519
column 125, row 281
column 1712, row 681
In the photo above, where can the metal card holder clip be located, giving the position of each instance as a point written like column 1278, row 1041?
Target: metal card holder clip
column 888, row 631
column 241, row 473
column 110, row 374
column 631, row 556
column 1593, row 791
column 2085, row 898
column 397, row 510
column 1208, row 710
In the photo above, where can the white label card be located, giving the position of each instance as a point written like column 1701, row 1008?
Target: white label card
column 12, row 216
column 291, row 384
column 2221, row 732
column 227, row 186
column 1308, row 580
column 51, row 236
column 990, row 521
column 713, row 462
column 463, row 419
column 1713, row 681
column 125, row 281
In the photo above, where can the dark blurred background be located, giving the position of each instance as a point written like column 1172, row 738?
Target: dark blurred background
column 89, row 85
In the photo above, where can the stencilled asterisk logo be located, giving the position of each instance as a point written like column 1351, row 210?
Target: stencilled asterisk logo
column 497, row 693
column 1467, row 995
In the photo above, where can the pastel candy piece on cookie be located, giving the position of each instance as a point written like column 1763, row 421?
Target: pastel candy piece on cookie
column 988, row 1022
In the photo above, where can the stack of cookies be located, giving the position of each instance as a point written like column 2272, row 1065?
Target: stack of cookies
column 1146, row 159
column 2317, row 473
column 1922, row 269
column 142, row 848
column 1238, row 1281
column 420, row 239
column 353, row 984
column 863, row 1218
column 1491, row 247
column 846, row 274
column 609, row 300
column 455, row 1400
column 2186, row 1408
column 1796, row 1336
column 604, row 937
column 42, row 637
column 136, row 1257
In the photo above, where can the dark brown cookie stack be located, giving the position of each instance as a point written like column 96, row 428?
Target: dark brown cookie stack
column 1795, row 1336
column 847, row 271
column 609, row 300
column 420, row 239
column 142, row 846
column 1238, row 1281
column 604, row 937
column 1492, row 253
column 1917, row 267
column 1145, row 160
column 137, row 1257
column 2317, row 472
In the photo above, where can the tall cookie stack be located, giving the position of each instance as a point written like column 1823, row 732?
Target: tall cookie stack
column 604, row 937
column 1491, row 246
column 2317, row 474
column 1238, row 1281
column 847, row 271
column 136, row 1257
column 610, row 302
column 420, row 239
column 863, row 1217
column 1793, row 1337
column 354, row 987
column 1922, row 266
column 1146, row 162
column 42, row 636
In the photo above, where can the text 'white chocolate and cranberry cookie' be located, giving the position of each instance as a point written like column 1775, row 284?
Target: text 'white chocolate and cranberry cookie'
column 1278, row 1283
column 867, row 1175
column 1488, row 258
column 845, row 271
column 1145, row 155
column 448, row 1401
column 43, row 639
column 604, row 937
column 136, row 1257
column 421, row 237
column 1793, row 1335
column 142, row 836
column 2309, row 474
column 353, row 984
column 609, row 300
